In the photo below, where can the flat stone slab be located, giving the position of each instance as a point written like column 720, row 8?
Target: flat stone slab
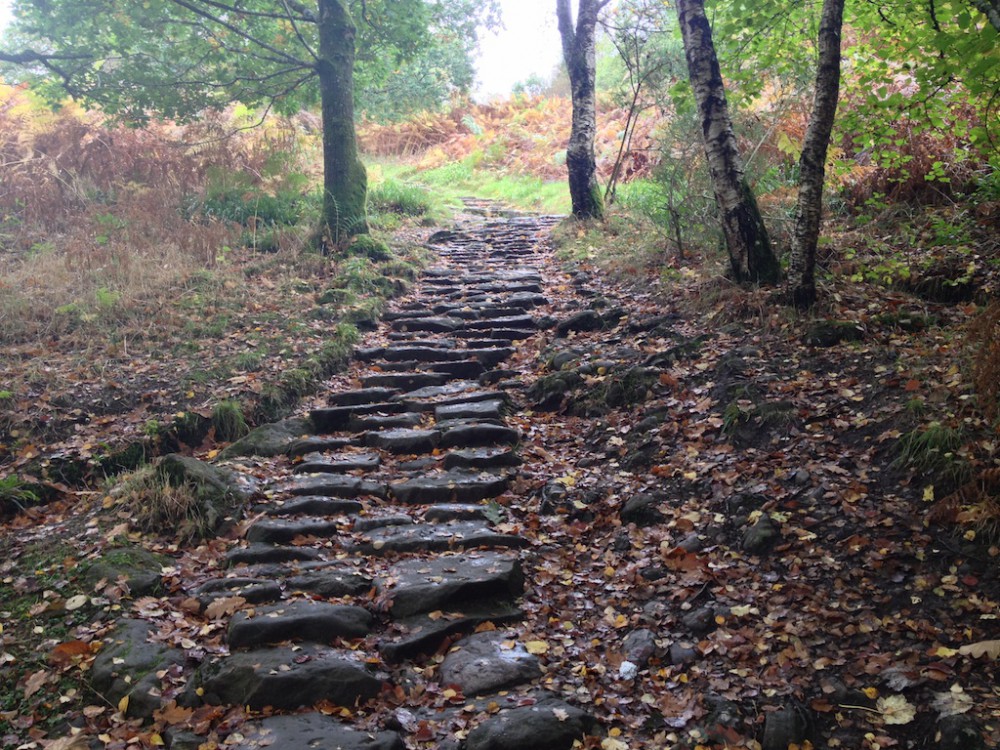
column 403, row 380
column 376, row 522
column 429, row 325
column 283, row 530
column 491, row 356
column 404, row 440
column 482, row 458
column 361, row 397
column 336, row 418
column 315, row 622
column 425, row 400
column 422, row 634
column 330, row 582
column 251, row 590
column 318, row 444
column 488, row 662
column 462, row 368
column 450, row 487
column 336, row 486
column 435, row 538
column 446, row 512
column 339, row 464
column 478, row 435
column 423, row 354
column 525, row 322
column 548, row 725
column 312, row 731
column 287, row 678
column 315, row 505
column 259, row 554
column 452, row 581
column 476, row 410
column 385, row 422
column 500, row 334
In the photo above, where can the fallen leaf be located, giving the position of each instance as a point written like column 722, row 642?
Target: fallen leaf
column 990, row 649
column 537, row 647
column 895, row 709
column 34, row 682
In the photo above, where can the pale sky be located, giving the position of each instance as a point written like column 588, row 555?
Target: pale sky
column 528, row 44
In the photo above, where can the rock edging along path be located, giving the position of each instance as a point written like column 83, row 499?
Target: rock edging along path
column 386, row 563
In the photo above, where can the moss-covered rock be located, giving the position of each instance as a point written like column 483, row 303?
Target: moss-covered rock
column 270, row 439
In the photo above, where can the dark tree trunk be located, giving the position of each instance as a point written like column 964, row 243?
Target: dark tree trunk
column 579, row 55
column 812, row 163
column 345, row 182
column 750, row 253
column 990, row 9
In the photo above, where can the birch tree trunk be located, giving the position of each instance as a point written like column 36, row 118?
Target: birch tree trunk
column 812, row 162
column 345, row 181
column 579, row 55
column 750, row 254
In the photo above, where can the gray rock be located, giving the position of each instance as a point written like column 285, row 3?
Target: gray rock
column 587, row 320
column 487, row 662
column 699, row 621
column 376, row 522
column 492, row 356
column 428, row 325
column 476, row 410
column 482, row 458
column 128, row 666
column 218, row 492
column 269, row 439
column 640, row 646
column 334, row 418
column 450, row 487
column 404, row 441
column 761, row 537
column 257, row 554
column 316, row 622
column 445, row 512
column 140, row 569
column 384, row 422
column 340, row 464
column 286, row 678
column 361, row 397
column 315, row 506
column 641, row 509
column 435, row 538
column 477, row 435
column 448, row 582
column 520, row 322
column 283, row 531
column 252, row 590
column 403, row 380
column 784, row 727
column 318, row 444
column 336, row 486
column 960, row 732
column 311, row 732
column 681, row 654
column 422, row 634
column 330, row 582
column 549, row 725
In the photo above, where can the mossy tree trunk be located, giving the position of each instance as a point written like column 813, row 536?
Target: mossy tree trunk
column 750, row 254
column 345, row 181
column 578, row 48
column 812, row 162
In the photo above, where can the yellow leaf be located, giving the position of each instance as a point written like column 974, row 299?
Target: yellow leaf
column 610, row 743
column 944, row 652
column 929, row 493
column 895, row 709
column 537, row 647
column 155, row 739
column 123, row 705
column 871, row 692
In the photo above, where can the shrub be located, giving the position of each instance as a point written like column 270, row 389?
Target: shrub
column 228, row 421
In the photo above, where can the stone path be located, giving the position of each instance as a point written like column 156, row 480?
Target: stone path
column 372, row 569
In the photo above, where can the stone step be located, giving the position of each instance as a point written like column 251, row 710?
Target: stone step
column 361, row 397
column 258, row 554
column 326, row 579
column 285, row 530
column 384, row 422
column 447, row 512
column 335, row 418
column 423, row 634
column 476, row 434
column 285, row 678
column 310, row 732
column 475, row 410
column 300, row 620
column 525, row 322
column 426, row 325
column 499, row 334
column 487, row 663
column 447, row 582
column 404, row 441
column 481, row 459
column 406, row 381
column 318, row 444
column 422, row 354
column 434, row 538
column 314, row 505
column 492, row 356
column 450, row 487
column 317, row 463
column 251, row 590
column 332, row 485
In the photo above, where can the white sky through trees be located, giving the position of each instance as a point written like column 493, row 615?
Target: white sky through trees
column 527, row 45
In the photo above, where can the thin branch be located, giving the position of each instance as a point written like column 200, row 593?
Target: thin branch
column 298, row 33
